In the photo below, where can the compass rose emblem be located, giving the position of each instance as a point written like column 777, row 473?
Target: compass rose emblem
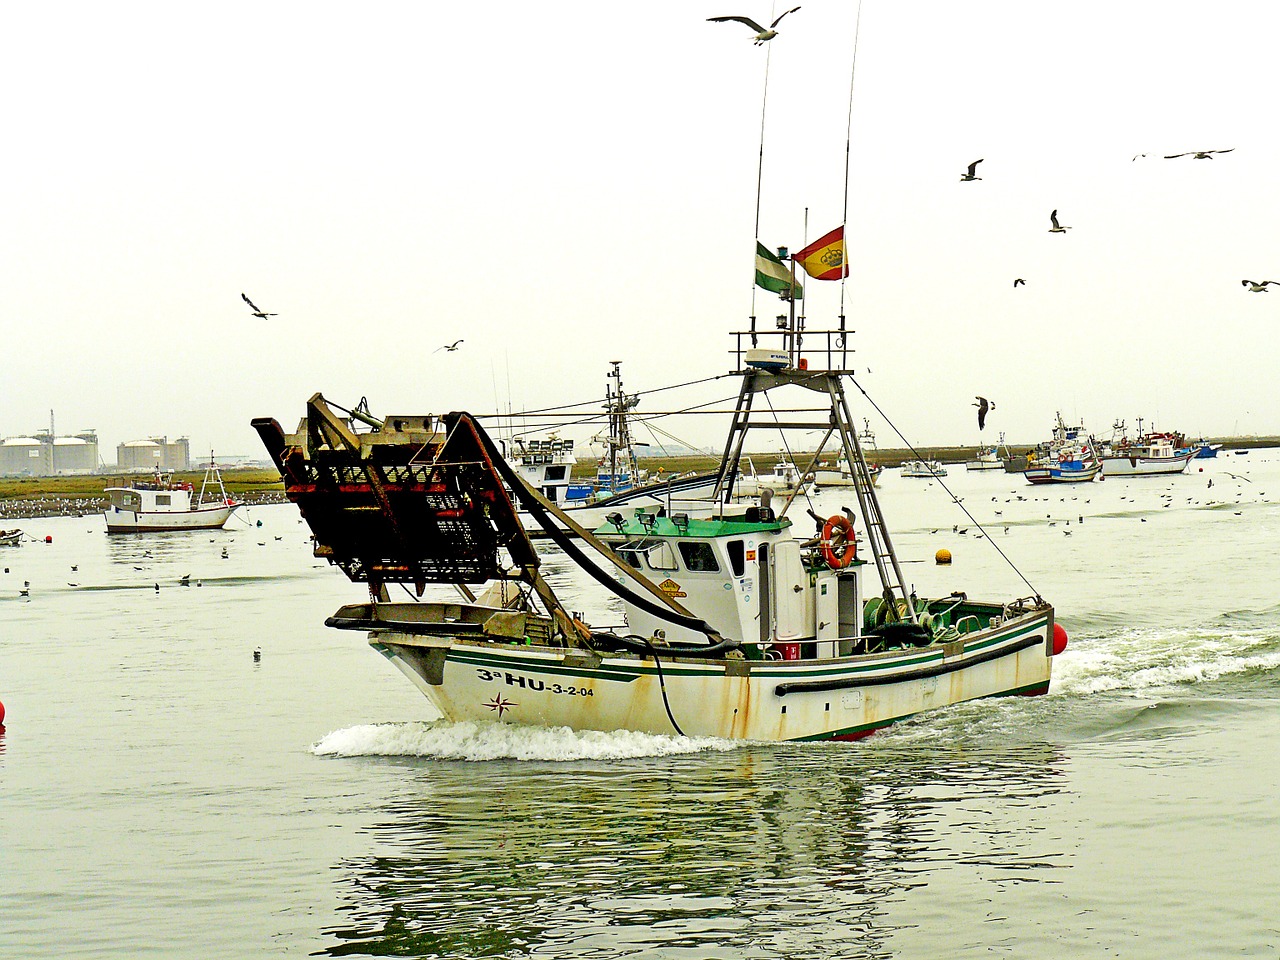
column 501, row 704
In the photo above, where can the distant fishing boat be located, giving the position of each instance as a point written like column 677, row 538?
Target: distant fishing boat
column 1152, row 454
column 1069, row 457
column 923, row 469
column 839, row 473
column 987, row 458
column 162, row 503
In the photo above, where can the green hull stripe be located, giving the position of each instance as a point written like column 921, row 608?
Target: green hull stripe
column 866, row 728
column 630, row 672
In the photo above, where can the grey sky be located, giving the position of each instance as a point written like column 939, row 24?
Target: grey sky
column 572, row 183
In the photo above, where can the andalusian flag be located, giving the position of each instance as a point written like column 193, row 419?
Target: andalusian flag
column 824, row 258
column 773, row 274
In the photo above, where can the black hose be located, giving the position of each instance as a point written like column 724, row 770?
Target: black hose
column 567, row 544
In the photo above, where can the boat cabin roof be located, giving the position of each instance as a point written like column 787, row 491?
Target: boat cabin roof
column 756, row 520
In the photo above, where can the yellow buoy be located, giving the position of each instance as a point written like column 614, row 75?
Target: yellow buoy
column 942, row 556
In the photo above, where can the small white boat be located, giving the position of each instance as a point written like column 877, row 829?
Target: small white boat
column 923, row 469
column 10, row 538
column 163, row 503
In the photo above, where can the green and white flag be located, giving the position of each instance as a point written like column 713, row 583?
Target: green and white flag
column 773, row 274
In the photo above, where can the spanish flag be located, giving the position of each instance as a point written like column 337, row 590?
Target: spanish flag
column 824, row 258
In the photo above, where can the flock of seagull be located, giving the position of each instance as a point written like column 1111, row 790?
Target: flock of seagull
column 1254, row 286
column 262, row 314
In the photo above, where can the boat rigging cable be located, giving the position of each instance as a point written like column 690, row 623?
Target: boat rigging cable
column 538, row 506
column 848, row 136
column 956, row 500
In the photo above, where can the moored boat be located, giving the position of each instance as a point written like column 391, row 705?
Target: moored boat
column 923, row 469
column 986, row 458
column 1069, row 457
column 163, row 503
column 10, row 538
column 1152, row 454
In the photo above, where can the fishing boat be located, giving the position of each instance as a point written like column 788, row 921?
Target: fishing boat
column 987, row 457
column 547, row 464
column 784, row 478
column 923, row 469
column 1072, row 462
column 1074, row 468
column 10, row 538
column 839, row 473
column 1205, row 450
column 1152, row 454
column 736, row 625
column 163, row 503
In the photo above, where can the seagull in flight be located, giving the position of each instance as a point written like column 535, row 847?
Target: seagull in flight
column 983, row 406
column 1019, row 282
column 763, row 34
column 254, row 307
column 448, row 346
column 1198, row 154
column 1258, row 287
column 971, row 175
column 1056, row 228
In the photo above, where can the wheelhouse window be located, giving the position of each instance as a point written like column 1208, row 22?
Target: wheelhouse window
column 737, row 557
column 656, row 554
column 162, row 500
column 699, row 556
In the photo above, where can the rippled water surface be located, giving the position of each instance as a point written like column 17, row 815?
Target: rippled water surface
column 162, row 794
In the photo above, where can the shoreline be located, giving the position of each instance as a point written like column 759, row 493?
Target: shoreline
column 35, row 498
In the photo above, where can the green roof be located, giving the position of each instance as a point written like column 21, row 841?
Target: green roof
column 666, row 527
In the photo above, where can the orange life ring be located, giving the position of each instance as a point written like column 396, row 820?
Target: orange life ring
column 838, row 555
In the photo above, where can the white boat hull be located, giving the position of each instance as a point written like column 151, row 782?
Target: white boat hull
column 1140, row 466
column 204, row 518
column 842, row 698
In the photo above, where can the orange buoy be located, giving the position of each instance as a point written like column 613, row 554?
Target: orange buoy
column 1059, row 639
column 942, row 557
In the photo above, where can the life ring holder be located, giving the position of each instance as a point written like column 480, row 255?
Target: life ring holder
column 838, row 554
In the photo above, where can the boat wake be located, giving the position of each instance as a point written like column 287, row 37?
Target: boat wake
column 1144, row 660
column 442, row 740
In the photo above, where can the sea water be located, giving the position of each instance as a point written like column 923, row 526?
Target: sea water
column 165, row 794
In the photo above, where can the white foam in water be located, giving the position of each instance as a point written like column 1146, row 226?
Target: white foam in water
column 1146, row 659
column 504, row 741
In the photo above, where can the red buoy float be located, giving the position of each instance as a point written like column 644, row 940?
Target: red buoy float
column 839, row 551
column 1, row 715
column 1059, row 639
column 48, row 539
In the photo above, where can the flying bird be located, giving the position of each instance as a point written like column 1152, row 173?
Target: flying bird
column 763, row 34
column 1056, row 228
column 983, row 406
column 254, row 307
column 1019, row 282
column 1258, row 287
column 448, row 346
column 1198, row 154
column 971, row 175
